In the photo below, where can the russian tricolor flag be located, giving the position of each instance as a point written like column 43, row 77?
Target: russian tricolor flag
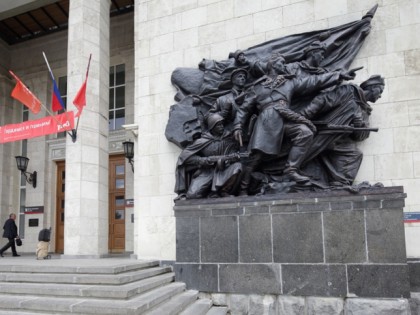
column 57, row 101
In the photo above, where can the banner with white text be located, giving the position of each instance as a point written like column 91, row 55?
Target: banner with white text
column 37, row 128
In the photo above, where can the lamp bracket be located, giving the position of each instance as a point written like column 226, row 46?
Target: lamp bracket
column 30, row 178
column 132, row 164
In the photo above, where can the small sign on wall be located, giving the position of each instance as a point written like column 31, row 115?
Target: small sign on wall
column 34, row 209
column 129, row 203
column 411, row 217
column 33, row 222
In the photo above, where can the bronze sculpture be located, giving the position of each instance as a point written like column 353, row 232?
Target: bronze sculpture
column 270, row 97
column 209, row 167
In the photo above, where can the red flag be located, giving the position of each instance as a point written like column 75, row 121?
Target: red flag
column 23, row 95
column 80, row 99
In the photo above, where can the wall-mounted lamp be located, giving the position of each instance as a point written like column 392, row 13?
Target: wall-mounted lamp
column 22, row 164
column 129, row 152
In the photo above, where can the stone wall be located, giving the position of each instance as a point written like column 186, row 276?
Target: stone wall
column 335, row 244
column 181, row 33
column 240, row 304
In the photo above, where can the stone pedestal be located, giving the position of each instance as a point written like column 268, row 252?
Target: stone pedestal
column 332, row 244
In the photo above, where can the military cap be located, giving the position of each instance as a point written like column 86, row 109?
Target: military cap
column 373, row 80
column 236, row 54
column 237, row 71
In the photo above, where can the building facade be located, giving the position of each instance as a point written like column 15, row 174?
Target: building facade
column 87, row 192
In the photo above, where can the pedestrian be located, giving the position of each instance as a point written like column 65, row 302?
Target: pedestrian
column 11, row 233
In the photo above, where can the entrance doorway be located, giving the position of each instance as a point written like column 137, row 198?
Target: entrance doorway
column 116, row 242
column 60, row 200
column 117, row 214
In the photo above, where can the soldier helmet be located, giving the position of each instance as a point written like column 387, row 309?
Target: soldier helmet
column 373, row 80
column 212, row 120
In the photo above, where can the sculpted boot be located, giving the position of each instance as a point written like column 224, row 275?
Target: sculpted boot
column 250, row 165
column 293, row 175
column 246, row 178
column 296, row 156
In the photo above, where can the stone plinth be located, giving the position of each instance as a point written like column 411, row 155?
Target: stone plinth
column 332, row 244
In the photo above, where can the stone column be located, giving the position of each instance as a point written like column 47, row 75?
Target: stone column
column 9, row 174
column 86, row 208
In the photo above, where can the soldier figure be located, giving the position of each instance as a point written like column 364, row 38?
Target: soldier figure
column 270, row 96
column 344, row 112
column 210, row 166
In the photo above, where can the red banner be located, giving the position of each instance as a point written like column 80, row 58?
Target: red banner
column 37, row 128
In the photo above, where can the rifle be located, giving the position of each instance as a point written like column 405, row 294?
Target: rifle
column 331, row 128
column 221, row 160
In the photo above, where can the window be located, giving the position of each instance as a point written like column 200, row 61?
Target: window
column 116, row 97
column 62, row 87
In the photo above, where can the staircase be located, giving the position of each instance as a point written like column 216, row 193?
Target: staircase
column 137, row 287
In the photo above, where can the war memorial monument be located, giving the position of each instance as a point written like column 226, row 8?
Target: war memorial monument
column 267, row 202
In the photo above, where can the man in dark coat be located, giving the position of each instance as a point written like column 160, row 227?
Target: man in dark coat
column 10, row 232
column 209, row 167
column 270, row 97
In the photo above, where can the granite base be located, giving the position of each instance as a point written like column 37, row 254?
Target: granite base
column 335, row 244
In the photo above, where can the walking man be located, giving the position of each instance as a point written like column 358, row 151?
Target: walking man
column 10, row 232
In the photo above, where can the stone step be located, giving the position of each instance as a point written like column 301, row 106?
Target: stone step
column 63, row 306
column 176, row 304
column 139, row 287
column 199, row 307
column 14, row 312
column 79, row 290
column 50, row 266
column 88, row 278
column 217, row 310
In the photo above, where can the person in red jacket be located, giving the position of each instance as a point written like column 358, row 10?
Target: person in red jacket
column 10, row 232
